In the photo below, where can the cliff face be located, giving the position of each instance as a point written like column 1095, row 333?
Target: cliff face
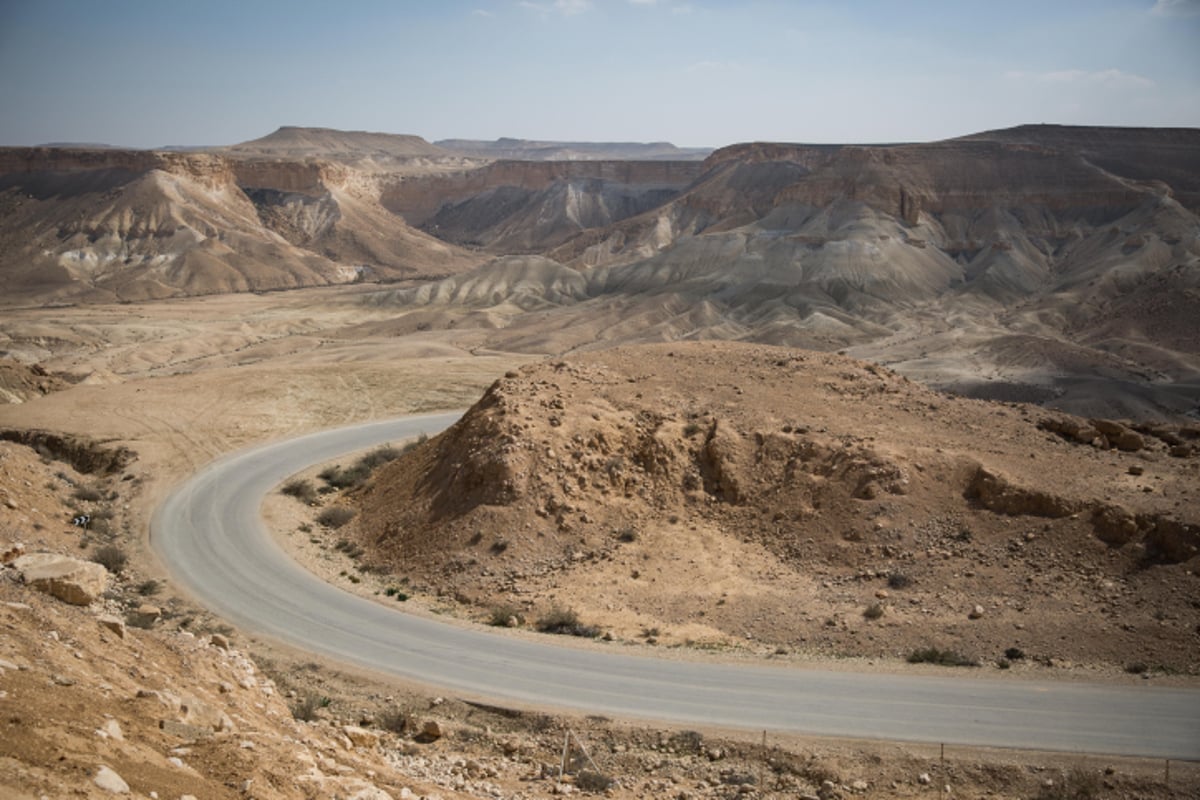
column 528, row 206
column 1070, row 240
column 105, row 224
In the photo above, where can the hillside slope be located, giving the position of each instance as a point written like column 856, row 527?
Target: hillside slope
column 725, row 494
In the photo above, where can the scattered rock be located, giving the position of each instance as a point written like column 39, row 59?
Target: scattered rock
column 114, row 624
column 111, row 729
column 183, row 731
column 924, row 779
column 976, row 612
column 431, row 730
column 12, row 553
column 361, row 737
column 1119, row 436
column 73, row 581
column 110, row 781
column 145, row 615
column 219, row 641
column 204, row 715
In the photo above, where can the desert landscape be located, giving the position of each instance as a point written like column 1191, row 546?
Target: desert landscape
column 920, row 409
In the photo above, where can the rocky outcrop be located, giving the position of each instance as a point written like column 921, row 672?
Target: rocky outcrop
column 994, row 491
column 85, row 456
column 73, row 581
column 418, row 199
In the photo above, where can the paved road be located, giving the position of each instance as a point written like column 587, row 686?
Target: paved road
column 211, row 536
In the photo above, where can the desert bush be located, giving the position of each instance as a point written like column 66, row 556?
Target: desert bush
column 946, row 658
column 686, row 742
column 110, row 557
column 873, row 611
column 565, row 621
column 898, row 580
column 87, row 494
column 1014, row 654
column 396, row 720
column 627, row 534
column 589, row 781
column 305, row 709
column 691, row 429
column 300, row 489
column 501, row 614
column 356, row 474
column 148, row 588
column 335, row 516
column 1078, row 784
column 1137, row 668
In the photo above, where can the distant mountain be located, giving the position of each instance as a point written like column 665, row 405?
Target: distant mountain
column 1040, row 263
column 327, row 143
column 109, row 224
column 530, row 150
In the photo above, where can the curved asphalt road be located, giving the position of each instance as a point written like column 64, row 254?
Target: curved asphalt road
column 211, row 536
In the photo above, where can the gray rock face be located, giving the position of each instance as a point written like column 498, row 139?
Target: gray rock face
column 73, row 581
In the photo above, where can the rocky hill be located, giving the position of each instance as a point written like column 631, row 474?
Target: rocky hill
column 733, row 495
column 134, row 225
column 292, row 142
column 1042, row 263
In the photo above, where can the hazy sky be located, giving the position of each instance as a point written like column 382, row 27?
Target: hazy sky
column 694, row 72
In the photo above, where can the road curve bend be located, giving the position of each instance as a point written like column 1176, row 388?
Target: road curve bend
column 211, row 536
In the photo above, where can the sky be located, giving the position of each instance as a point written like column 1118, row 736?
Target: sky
column 693, row 72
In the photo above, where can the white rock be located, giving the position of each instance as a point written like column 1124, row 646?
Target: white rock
column 110, row 781
column 924, row 779
column 112, row 729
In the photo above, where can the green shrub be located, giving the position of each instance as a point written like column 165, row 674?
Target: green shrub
column 945, row 658
column 335, row 516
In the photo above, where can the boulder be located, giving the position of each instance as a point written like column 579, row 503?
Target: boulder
column 1119, row 436
column 114, row 624
column 361, row 737
column 145, row 615
column 204, row 715
column 73, row 581
column 431, row 730
column 1114, row 525
column 110, row 781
